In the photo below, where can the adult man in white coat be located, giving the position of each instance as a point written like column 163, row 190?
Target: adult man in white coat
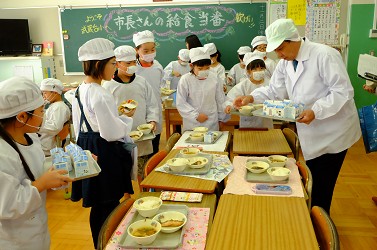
column 313, row 74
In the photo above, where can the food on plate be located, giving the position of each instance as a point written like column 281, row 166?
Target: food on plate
column 144, row 231
column 148, row 204
column 256, row 167
column 127, row 106
column 172, row 223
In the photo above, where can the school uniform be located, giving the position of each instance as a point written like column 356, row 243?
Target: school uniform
column 176, row 67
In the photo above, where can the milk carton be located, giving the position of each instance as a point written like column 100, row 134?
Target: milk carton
column 81, row 164
column 209, row 137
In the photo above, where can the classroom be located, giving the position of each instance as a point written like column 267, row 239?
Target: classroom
column 215, row 195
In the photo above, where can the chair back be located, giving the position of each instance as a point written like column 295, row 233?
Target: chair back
column 307, row 180
column 112, row 221
column 154, row 161
column 172, row 140
column 325, row 230
column 293, row 142
column 62, row 134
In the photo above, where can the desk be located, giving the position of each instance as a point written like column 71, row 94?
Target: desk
column 269, row 142
column 164, row 181
column 261, row 222
column 219, row 146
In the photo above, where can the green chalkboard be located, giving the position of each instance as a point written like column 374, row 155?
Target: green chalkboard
column 229, row 26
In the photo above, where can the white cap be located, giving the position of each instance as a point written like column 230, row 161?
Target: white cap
column 96, row 49
column 18, row 94
column 184, row 55
column 243, row 50
column 198, row 53
column 280, row 30
column 211, row 48
column 125, row 53
column 251, row 56
column 51, row 84
column 141, row 37
column 258, row 40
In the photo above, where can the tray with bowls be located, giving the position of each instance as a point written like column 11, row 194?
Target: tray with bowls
column 266, row 171
column 246, row 110
column 166, row 229
column 144, row 132
column 259, row 112
column 167, row 92
column 196, row 137
column 197, row 164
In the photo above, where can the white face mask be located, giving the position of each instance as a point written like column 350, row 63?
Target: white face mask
column 49, row 97
column 183, row 63
column 148, row 57
column 131, row 70
column 38, row 127
column 258, row 75
column 203, row 74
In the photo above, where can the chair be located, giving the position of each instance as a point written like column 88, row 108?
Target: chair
column 112, row 222
column 154, row 161
column 293, row 142
column 307, row 180
column 172, row 140
column 325, row 230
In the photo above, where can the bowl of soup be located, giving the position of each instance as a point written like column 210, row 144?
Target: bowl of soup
column 148, row 206
column 279, row 173
column 196, row 137
column 257, row 167
column 189, row 152
column 197, row 162
column 177, row 164
column 144, row 232
column 245, row 110
column 277, row 160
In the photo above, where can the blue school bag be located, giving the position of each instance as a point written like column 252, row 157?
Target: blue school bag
column 368, row 123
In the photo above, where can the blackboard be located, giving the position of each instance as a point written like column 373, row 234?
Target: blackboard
column 229, row 26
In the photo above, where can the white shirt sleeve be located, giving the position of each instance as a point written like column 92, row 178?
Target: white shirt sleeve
column 56, row 116
column 168, row 72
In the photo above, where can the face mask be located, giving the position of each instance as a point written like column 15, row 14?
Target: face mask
column 148, row 57
column 38, row 127
column 258, row 75
column 183, row 63
column 131, row 70
column 48, row 98
column 203, row 74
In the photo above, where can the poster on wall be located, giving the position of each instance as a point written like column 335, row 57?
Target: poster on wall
column 278, row 10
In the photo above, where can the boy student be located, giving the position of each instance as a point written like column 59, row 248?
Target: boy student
column 151, row 70
column 56, row 115
column 127, row 85
column 175, row 69
column 200, row 98
column 237, row 72
column 259, row 43
column 255, row 71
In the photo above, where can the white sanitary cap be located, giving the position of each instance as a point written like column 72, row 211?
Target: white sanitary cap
column 211, row 48
column 125, row 53
column 184, row 55
column 141, row 37
column 19, row 94
column 243, row 50
column 198, row 53
column 251, row 56
column 51, row 84
column 258, row 40
column 280, row 30
column 96, row 49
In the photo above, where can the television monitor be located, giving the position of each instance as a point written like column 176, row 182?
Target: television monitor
column 14, row 37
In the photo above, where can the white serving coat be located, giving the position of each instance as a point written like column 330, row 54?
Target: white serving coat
column 23, row 215
column 270, row 67
column 56, row 115
column 321, row 83
column 147, row 109
column 175, row 66
column 237, row 74
column 219, row 70
column 196, row 96
column 245, row 87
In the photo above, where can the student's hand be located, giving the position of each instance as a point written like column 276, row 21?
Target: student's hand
column 95, row 157
column 202, row 118
column 370, row 89
column 52, row 179
column 307, row 116
column 229, row 80
column 224, row 88
column 154, row 125
column 242, row 101
column 176, row 74
column 227, row 109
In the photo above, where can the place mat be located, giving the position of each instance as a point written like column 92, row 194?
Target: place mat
column 237, row 184
column 194, row 235
column 218, row 146
column 221, row 167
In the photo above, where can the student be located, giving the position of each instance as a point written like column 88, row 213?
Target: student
column 99, row 129
column 255, row 70
column 200, row 98
column 127, row 85
column 23, row 179
column 192, row 41
column 260, row 43
column 216, row 66
column 313, row 74
column 56, row 115
column 152, row 71
column 237, row 72
column 175, row 69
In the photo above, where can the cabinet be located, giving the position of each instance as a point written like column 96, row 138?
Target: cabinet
column 35, row 68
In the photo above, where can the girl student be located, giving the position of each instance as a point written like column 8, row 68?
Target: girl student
column 237, row 72
column 125, row 85
column 151, row 70
column 255, row 71
column 216, row 67
column 200, row 97
column 101, row 130
column 192, row 41
column 259, row 43
column 23, row 179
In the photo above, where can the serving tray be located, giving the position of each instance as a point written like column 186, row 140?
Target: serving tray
column 259, row 112
column 219, row 134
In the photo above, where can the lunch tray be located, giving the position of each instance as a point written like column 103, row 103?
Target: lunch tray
column 163, row 240
column 146, row 137
column 259, row 112
column 237, row 112
column 261, row 178
column 188, row 139
column 189, row 170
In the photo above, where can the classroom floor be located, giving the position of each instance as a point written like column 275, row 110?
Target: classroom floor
column 353, row 211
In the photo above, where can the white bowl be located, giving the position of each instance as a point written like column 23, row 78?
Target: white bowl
column 189, row 152
column 200, row 129
column 152, row 226
column 197, row 137
column 148, row 206
column 128, row 105
column 177, row 164
column 257, row 167
column 245, row 110
column 145, row 128
column 277, row 160
column 170, row 218
column 197, row 162
column 278, row 173
column 135, row 135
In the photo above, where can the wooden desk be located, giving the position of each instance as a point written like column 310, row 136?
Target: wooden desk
column 269, row 142
column 261, row 222
column 164, row 181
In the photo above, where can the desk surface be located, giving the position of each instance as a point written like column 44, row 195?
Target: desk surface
column 268, row 142
column 164, row 181
column 261, row 222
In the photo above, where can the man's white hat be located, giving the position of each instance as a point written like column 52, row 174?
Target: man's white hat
column 18, row 94
column 125, row 53
column 184, row 55
column 51, row 84
column 198, row 53
column 280, row 30
column 211, row 48
column 258, row 40
column 251, row 56
column 141, row 37
column 96, row 49
column 243, row 50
